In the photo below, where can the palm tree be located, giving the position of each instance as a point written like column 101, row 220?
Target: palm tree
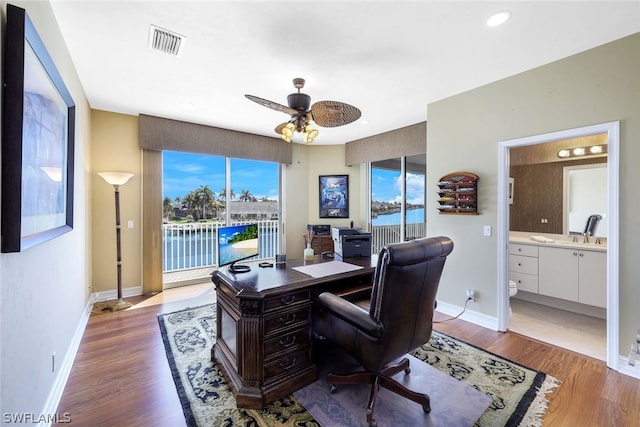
column 246, row 196
column 222, row 196
column 205, row 198
column 167, row 208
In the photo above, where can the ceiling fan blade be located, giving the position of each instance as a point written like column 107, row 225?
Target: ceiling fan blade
column 278, row 128
column 273, row 105
column 334, row 113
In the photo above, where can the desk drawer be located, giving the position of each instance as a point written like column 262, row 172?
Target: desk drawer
column 286, row 319
column 523, row 264
column 288, row 342
column 287, row 364
column 286, row 300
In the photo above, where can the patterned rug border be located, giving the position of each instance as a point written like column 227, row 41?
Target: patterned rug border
column 534, row 401
column 531, row 406
column 182, row 395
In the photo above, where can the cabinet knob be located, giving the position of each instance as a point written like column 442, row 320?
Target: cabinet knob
column 519, row 264
column 581, row 253
column 575, row 254
column 519, row 249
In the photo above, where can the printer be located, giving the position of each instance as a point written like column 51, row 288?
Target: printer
column 351, row 242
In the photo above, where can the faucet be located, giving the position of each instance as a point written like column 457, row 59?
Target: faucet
column 575, row 239
column 586, row 237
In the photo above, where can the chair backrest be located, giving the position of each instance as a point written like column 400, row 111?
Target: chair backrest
column 404, row 291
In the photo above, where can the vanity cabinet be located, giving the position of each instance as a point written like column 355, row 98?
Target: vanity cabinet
column 458, row 193
column 523, row 266
column 573, row 274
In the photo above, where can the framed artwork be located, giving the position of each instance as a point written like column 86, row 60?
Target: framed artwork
column 37, row 141
column 334, row 196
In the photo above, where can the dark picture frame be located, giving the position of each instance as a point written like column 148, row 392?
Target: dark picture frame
column 37, row 140
column 334, row 196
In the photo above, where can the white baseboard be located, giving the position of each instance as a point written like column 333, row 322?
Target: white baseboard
column 113, row 294
column 469, row 315
column 53, row 400
column 625, row 368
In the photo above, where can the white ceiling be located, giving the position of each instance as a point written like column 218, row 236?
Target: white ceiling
column 388, row 58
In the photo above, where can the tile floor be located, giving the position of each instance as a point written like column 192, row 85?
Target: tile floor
column 582, row 334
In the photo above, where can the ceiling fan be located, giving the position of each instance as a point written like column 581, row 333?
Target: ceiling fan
column 323, row 113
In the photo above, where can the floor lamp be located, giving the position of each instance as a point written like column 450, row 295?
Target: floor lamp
column 117, row 179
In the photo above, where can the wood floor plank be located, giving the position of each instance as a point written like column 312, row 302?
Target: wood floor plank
column 121, row 376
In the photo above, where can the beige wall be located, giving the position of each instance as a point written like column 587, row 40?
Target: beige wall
column 597, row 86
column 114, row 139
column 44, row 289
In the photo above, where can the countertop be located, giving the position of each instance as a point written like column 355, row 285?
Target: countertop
column 559, row 241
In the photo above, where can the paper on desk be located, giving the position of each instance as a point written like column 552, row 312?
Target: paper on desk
column 327, row 268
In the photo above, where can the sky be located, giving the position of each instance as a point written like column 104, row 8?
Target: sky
column 183, row 172
column 385, row 186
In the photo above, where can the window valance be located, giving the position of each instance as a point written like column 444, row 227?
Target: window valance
column 157, row 133
column 406, row 141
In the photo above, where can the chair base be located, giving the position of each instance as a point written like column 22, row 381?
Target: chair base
column 382, row 380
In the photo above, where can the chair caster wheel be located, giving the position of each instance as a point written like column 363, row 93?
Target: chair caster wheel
column 373, row 423
column 332, row 388
column 407, row 371
column 426, row 409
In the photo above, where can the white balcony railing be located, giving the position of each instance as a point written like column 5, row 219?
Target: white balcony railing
column 194, row 245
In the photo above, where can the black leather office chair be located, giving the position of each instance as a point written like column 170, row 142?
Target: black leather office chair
column 399, row 319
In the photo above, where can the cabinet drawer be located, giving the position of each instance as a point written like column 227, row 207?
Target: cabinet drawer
column 287, row 342
column 523, row 264
column 525, row 282
column 526, row 250
column 287, row 364
column 286, row 319
column 286, row 300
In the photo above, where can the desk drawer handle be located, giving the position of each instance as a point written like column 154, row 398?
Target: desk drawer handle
column 289, row 320
column 289, row 299
column 290, row 341
column 290, row 363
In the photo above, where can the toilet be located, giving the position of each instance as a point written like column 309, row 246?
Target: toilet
column 513, row 289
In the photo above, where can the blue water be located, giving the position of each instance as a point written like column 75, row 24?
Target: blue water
column 414, row 216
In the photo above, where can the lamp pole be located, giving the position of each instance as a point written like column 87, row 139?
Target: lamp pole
column 117, row 179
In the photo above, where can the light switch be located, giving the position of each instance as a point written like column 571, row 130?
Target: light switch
column 130, row 223
column 487, row 230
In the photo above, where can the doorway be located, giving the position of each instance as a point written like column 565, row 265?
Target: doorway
column 612, row 307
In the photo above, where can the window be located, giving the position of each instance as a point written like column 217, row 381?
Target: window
column 202, row 192
column 397, row 200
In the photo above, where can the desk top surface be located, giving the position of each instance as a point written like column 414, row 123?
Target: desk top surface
column 260, row 281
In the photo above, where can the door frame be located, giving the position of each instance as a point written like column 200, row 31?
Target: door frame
column 612, row 129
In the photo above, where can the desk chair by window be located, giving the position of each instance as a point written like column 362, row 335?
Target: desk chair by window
column 399, row 319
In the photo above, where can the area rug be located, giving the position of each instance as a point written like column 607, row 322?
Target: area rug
column 517, row 393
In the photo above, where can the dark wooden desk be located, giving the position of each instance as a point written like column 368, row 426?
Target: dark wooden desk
column 264, row 343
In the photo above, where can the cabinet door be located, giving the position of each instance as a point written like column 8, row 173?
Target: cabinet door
column 593, row 278
column 558, row 272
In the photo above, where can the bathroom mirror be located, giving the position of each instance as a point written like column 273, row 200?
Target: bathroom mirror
column 585, row 189
column 539, row 199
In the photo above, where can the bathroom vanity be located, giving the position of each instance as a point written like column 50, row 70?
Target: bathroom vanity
column 558, row 267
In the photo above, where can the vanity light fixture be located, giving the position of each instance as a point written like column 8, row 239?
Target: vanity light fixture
column 499, row 18
column 582, row 151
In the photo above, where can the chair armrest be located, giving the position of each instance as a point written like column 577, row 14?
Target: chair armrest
column 350, row 313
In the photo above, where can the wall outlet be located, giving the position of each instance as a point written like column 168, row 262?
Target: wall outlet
column 471, row 295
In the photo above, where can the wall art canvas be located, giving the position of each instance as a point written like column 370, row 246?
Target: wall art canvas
column 334, row 196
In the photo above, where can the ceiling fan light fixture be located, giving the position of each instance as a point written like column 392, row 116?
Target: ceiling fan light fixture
column 310, row 133
column 287, row 131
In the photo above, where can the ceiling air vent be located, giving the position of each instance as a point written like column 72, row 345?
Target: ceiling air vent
column 166, row 41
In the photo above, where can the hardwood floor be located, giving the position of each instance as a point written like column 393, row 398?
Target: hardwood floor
column 121, row 376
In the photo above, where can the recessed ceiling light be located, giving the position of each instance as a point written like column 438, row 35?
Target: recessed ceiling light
column 499, row 18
